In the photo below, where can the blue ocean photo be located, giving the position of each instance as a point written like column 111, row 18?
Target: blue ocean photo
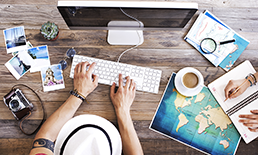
column 40, row 52
column 19, row 66
column 40, row 57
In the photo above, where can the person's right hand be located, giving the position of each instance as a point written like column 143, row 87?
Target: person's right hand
column 123, row 98
column 250, row 120
column 232, row 85
column 84, row 81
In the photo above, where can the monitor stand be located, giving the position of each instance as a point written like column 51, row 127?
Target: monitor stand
column 125, row 37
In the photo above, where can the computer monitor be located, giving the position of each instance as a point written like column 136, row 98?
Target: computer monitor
column 126, row 20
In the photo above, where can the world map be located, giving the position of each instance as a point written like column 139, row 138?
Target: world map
column 197, row 121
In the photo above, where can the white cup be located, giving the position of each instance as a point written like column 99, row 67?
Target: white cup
column 191, row 78
column 182, row 88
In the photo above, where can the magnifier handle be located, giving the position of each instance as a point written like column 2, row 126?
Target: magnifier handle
column 228, row 41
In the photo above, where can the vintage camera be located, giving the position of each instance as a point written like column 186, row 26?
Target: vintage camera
column 18, row 104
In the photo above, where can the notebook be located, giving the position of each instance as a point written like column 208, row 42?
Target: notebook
column 240, row 105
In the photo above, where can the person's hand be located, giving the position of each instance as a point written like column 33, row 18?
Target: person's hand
column 250, row 120
column 123, row 98
column 232, row 85
column 84, row 81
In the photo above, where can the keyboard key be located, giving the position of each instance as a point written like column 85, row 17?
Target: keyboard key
column 145, row 88
column 146, row 79
column 104, row 81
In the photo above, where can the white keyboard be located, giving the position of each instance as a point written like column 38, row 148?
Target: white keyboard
column 146, row 79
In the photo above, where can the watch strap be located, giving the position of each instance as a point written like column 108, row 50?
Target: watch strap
column 77, row 94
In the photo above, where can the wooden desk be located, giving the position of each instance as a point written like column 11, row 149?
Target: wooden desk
column 165, row 50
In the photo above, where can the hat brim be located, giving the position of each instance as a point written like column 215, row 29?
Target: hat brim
column 80, row 138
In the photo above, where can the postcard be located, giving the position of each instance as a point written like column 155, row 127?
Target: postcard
column 28, row 44
column 20, row 64
column 40, row 57
column 52, row 78
column 15, row 39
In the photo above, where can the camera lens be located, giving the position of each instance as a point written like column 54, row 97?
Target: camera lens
column 14, row 105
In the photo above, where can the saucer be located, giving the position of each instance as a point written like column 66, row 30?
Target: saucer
column 181, row 89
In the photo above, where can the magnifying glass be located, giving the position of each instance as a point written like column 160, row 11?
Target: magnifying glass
column 209, row 45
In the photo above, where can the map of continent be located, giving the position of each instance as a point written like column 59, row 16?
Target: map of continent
column 196, row 121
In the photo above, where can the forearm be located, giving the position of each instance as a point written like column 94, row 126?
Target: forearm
column 55, row 122
column 256, row 75
column 130, row 140
column 252, row 78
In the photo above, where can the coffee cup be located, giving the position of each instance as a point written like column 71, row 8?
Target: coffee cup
column 191, row 78
column 189, row 81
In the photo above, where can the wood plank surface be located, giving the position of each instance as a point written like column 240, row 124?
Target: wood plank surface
column 162, row 39
column 162, row 49
column 150, row 146
column 152, row 142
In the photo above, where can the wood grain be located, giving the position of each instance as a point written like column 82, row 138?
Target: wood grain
column 202, row 3
column 162, row 49
column 162, row 39
column 150, row 146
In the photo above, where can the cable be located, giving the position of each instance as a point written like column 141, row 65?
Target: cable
column 140, row 25
column 43, row 109
column 22, row 122
column 127, row 51
column 131, row 17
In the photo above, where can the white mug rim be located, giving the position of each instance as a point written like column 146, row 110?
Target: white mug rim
column 197, row 73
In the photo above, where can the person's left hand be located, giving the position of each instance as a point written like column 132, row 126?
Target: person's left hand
column 250, row 120
column 84, row 81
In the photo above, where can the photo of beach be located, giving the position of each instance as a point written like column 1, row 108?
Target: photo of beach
column 40, row 57
column 19, row 64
